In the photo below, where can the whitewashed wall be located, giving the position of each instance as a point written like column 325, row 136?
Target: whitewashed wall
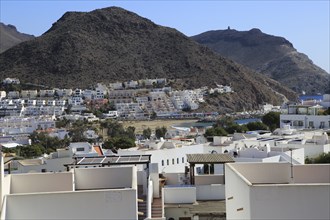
column 100, row 204
column 290, row 202
column 179, row 194
column 210, row 192
column 105, row 177
column 41, row 182
column 237, row 196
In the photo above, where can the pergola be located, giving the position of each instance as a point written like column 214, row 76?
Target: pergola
column 194, row 159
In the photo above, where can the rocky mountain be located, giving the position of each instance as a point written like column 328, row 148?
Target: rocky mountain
column 113, row 44
column 270, row 55
column 9, row 37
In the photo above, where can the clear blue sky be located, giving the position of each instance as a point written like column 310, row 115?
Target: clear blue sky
column 304, row 23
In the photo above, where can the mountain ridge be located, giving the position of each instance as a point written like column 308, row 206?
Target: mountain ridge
column 10, row 36
column 270, row 55
column 113, row 44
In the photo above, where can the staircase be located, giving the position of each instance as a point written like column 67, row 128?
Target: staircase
column 156, row 209
column 142, row 204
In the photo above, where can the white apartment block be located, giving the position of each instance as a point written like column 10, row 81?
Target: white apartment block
column 77, row 92
column 43, row 110
column 29, row 94
column 60, row 102
column 64, row 92
column 41, row 102
column 326, row 101
column 116, row 86
column 18, row 125
column 3, row 95
column 99, row 94
column 301, row 117
column 13, row 95
column 129, row 110
column 31, row 102
column 88, row 94
column 131, row 84
column 277, row 191
column 51, row 102
column 75, row 100
column 47, row 92
column 18, row 102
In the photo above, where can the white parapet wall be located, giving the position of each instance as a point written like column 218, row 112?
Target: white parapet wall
column 41, row 182
column 306, row 201
column 119, row 204
column 210, row 192
column 184, row 195
column 209, row 179
column 105, row 178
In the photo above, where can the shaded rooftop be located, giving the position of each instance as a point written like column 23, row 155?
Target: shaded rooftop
column 209, row 158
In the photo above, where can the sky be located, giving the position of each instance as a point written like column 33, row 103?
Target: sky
column 305, row 23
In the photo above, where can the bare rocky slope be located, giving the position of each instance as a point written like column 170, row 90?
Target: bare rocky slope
column 113, row 44
column 270, row 55
column 9, row 37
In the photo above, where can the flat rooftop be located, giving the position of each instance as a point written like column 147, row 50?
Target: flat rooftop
column 282, row 173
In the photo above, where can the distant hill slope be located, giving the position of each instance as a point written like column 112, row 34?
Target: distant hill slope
column 273, row 56
column 9, row 37
column 113, row 44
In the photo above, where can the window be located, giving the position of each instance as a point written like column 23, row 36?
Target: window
column 177, row 160
column 311, row 124
column 322, row 124
column 80, row 149
column 162, row 162
column 168, row 162
column 173, row 161
column 182, row 159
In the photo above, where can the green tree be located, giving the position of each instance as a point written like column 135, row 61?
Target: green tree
column 218, row 131
column 257, row 125
column 327, row 112
column 31, row 151
column 119, row 142
column 272, row 120
column 322, row 158
column 62, row 123
column 160, row 131
column 146, row 133
column 231, row 129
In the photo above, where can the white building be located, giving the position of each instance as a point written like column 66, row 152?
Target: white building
column 47, row 92
column 3, row 94
column 41, row 102
column 19, row 125
column 116, row 85
column 300, row 117
column 277, row 191
column 11, row 81
column 88, row 94
column 29, row 94
column 131, row 84
column 94, row 193
column 63, row 92
column 13, row 95
column 326, row 101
